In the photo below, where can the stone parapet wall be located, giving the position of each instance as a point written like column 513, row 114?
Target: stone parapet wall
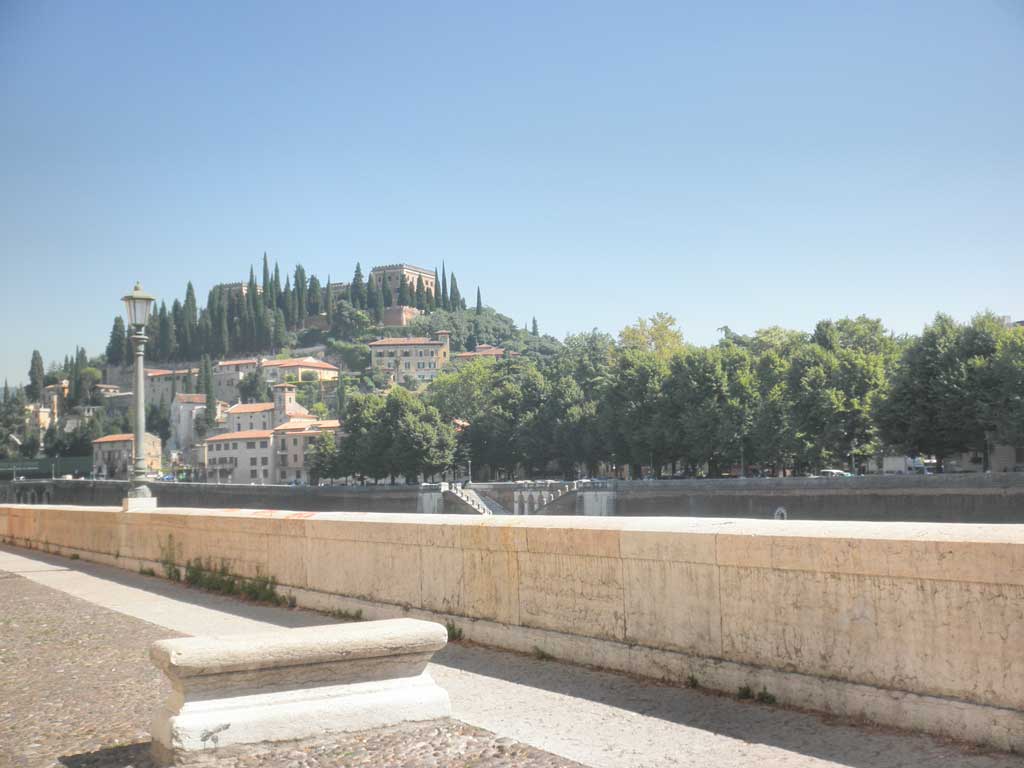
column 913, row 625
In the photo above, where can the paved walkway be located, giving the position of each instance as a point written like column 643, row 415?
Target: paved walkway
column 601, row 720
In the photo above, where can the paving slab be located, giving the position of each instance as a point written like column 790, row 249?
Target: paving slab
column 560, row 711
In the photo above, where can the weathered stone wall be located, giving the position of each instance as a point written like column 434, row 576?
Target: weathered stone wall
column 937, row 498
column 912, row 625
column 998, row 498
column 337, row 498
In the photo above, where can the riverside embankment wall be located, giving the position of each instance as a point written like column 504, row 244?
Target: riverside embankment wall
column 969, row 498
column 912, row 625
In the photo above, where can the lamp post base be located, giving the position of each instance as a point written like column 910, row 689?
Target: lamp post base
column 139, row 499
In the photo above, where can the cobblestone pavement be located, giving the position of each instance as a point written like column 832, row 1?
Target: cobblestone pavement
column 77, row 689
column 75, row 682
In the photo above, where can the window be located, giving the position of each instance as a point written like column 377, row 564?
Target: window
column 263, row 443
column 234, row 446
column 295, row 441
column 295, row 459
column 250, row 445
column 252, row 473
column 263, row 460
column 252, row 461
column 284, row 475
column 265, row 473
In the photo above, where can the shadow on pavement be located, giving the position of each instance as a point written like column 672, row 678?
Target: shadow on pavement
column 821, row 736
column 178, row 591
column 134, row 755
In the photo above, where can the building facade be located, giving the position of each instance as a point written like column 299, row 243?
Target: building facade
column 292, row 443
column 485, row 351
column 389, row 277
column 113, row 456
column 185, row 410
column 417, row 357
column 240, row 457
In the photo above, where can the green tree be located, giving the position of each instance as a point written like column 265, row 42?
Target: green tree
column 455, row 301
column 117, row 343
column 658, row 335
column 404, row 296
column 314, row 300
column 1008, row 371
column 421, row 294
column 323, row 460
column 374, row 301
column 941, row 396
column 534, row 330
column 253, row 388
column 300, row 289
column 444, row 287
column 36, row 377
column 357, row 290
column 479, row 302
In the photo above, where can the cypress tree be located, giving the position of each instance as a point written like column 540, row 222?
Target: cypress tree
column 315, row 296
column 268, row 293
column 444, row 289
column 430, row 300
column 286, row 302
column 7, row 391
column 280, row 329
column 479, row 303
column 299, row 289
column 421, row 294
column 167, row 340
column 330, row 303
column 357, row 291
column 454, row 298
column 189, row 341
column 115, row 347
column 206, row 387
column 404, row 294
column 36, row 377
column 276, row 303
column 374, row 300
column 385, row 291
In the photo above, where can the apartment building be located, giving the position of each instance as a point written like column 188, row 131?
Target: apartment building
column 418, row 357
column 240, row 457
column 292, row 442
column 113, row 456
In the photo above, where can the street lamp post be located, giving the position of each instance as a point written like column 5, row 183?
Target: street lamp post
column 137, row 305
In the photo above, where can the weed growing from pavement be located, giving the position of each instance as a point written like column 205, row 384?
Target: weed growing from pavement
column 764, row 697
column 744, row 692
column 147, row 572
column 454, row 633
column 692, row 682
column 205, row 575
column 343, row 615
column 541, row 655
column 168, row 559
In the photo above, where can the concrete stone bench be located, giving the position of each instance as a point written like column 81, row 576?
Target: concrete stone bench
column 295, row 684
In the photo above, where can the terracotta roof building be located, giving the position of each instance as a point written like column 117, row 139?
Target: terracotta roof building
column 417, row 357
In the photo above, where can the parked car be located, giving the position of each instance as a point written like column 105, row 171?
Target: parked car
column 835, row 473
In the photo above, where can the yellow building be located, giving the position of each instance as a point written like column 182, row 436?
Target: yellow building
column 113, row 456
column 418, row 357
column 390, row 278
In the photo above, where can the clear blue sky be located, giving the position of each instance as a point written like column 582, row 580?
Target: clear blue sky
column 739, row 163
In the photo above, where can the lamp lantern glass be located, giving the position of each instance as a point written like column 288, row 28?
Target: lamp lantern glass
column 136, row 306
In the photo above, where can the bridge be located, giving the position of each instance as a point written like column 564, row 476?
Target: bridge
column 913, row 626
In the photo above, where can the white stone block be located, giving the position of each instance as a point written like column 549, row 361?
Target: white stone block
column 295, row 684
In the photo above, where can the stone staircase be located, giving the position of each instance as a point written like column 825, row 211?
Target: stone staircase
column 469, row 497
